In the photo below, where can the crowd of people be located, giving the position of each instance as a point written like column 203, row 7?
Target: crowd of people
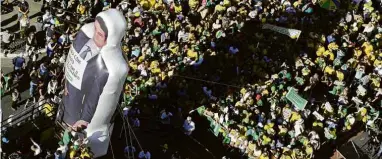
column 344, row 61
column 214, row 53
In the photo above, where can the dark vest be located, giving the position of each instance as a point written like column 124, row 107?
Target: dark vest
column 81, row 104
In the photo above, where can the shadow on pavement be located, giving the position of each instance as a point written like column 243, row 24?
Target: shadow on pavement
column 9, row 20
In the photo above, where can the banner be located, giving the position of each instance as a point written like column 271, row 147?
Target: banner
column 292, row 33
column 215, row 128
column 296, row 99
column 201, row 110
column 74, row 68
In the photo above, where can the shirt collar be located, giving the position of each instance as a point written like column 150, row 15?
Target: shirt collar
column 93, row 47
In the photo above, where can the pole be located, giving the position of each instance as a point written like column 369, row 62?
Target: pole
column 111, row 145
column 120, row 134
column 131, row 140
column 355, row 148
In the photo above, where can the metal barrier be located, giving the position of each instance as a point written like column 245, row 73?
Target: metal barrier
column 30, row 112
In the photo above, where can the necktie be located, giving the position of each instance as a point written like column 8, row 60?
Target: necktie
column 85, row 53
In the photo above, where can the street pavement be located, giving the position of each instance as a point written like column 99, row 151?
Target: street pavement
column 9, row 21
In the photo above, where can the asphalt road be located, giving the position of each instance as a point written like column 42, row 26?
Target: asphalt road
column 9, row 21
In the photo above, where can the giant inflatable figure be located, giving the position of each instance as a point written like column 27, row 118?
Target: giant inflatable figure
column 95, row 71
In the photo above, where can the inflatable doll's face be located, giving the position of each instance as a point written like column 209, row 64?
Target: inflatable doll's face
column 99, row 35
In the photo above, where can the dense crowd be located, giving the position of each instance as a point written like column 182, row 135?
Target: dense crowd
column 258, row 119
column 246, row 71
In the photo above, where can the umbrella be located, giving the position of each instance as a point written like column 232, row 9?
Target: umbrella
column 329, row 4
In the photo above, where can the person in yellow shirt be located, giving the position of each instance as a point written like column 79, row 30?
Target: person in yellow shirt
column 333, row 46
column 243, row 11
column 48, row 109
column 194, row 4
column 297, row 4
column 227, row 3
column 191, row 53
column 378, row 61
column 145, row 4
column 367, row 48
column 329, row 54
column 158, row 6
column 287, row 154
column 265, row 140
column 329, row 70
column 357, row 53
column 362, row 115
column 133, row 65
column 295, row 116
column 174, row 48
column 142, row 58
column 220, row 7
column 177, row 8
column 86, row 153
column 73, row 151
column 264, row 156
column 154, row 67
column 375, row 81
column 269, row 128
column 81, row 8
column 340, row 75
column 320, row 51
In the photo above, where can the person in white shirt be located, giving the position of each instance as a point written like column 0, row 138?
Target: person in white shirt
column 24, row 24
column 189, row 126
column 30, row 44
column 181, row 34
column 35, row 148
column 123, row 6
column 142, row 67
column 216, row 25
column 52, row 87
column 63, row 149
column 46, row 18
column 6, row 40
column 144, row 154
